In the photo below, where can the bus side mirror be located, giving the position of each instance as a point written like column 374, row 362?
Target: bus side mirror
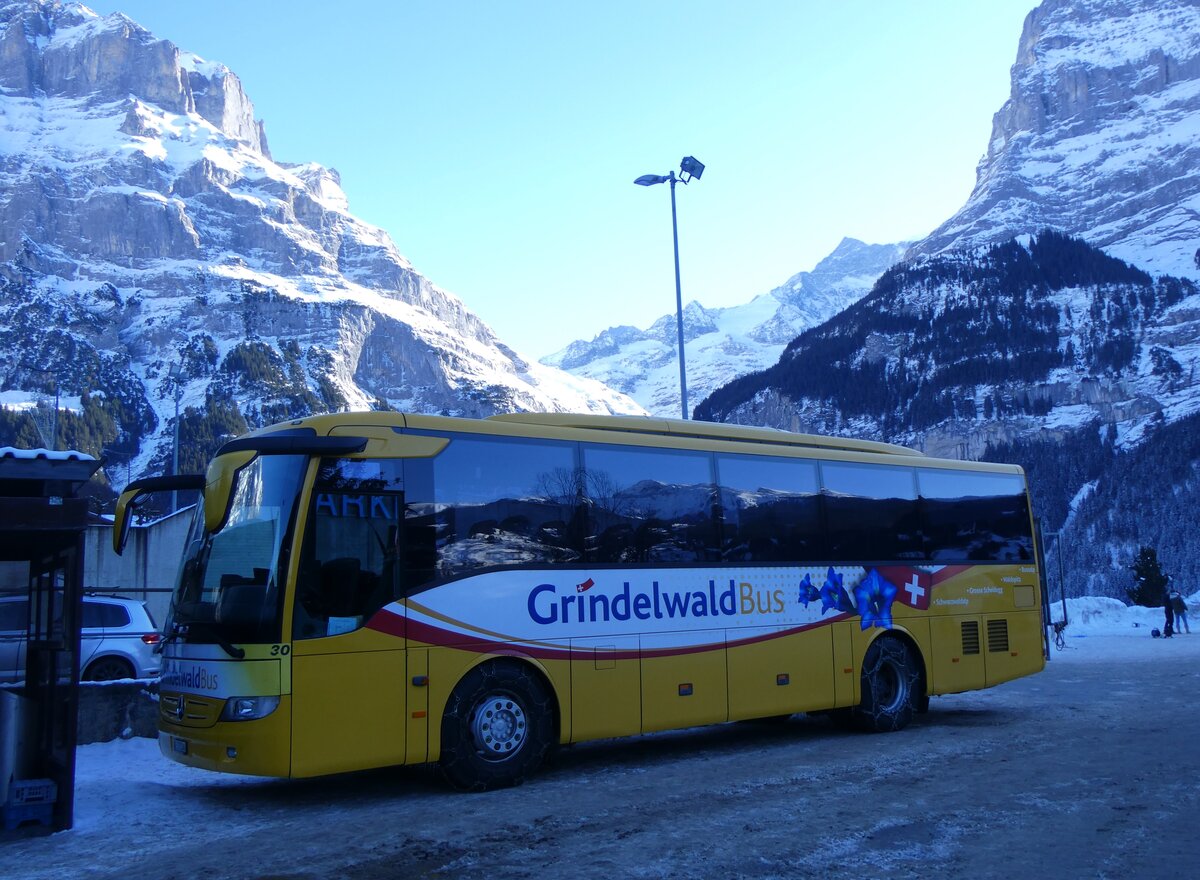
column 124, row 515
column 131, row 497
column 218, row 494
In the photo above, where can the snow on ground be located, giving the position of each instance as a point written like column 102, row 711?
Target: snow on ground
column 127, row 794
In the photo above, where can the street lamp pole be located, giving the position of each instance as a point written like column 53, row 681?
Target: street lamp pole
column 689, row 169
column 683, row 395
column 176, row 374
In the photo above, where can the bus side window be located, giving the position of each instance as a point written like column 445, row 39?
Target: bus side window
column 351, row 559
column 648, row 505
column 871, row 512
column 973, row 517
column 492, row 501
column 772, row 509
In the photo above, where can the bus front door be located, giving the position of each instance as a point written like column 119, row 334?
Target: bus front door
column 348, row 702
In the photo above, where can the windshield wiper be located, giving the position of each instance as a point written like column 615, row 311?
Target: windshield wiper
column 180, row 630
column 229, row 648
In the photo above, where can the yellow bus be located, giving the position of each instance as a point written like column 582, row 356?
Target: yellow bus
column 370, row 589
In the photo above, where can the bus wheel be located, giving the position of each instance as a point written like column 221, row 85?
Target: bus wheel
column 890, row 687
column 498, row 726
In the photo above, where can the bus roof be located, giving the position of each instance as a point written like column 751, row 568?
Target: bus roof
column 703, row 430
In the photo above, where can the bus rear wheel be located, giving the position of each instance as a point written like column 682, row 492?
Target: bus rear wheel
column 497, row 728
column 891, row 683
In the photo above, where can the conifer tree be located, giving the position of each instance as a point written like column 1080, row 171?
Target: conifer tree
column 1149, row 583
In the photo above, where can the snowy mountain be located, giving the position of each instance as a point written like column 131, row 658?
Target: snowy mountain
column 144, row 223
column 1100, row 137
column 719, row 343
column 955, row 353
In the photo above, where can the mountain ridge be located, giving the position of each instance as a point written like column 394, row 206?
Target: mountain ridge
column 720, row 342
column 138, row 192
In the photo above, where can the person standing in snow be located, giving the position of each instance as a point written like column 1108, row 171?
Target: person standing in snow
column 1179, row 608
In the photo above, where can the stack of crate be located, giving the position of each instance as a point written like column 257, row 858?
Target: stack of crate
column 29, row 800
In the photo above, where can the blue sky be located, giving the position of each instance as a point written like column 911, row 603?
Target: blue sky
column 498, row 142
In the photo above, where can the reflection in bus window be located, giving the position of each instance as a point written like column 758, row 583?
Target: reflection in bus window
column 499, row 501
column 971, row 517
column 648, row 505
column 350, row 565
column 871, row 512
column 772, row 509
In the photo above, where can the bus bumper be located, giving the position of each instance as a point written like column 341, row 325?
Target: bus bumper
column 256, row 748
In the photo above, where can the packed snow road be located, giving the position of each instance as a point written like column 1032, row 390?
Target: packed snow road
column 1087, row 770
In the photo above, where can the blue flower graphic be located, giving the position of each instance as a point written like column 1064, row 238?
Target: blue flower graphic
column 875, row 596
column 808, row 593
column 833, row 594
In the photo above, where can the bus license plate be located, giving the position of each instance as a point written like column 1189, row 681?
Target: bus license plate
column 179, row 745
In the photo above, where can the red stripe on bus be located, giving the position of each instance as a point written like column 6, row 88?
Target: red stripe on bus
column 393, row 624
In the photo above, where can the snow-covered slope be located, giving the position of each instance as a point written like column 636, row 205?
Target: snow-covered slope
column 1100, row 137
column 956, row 352
column 143, row 215
column 727, row 342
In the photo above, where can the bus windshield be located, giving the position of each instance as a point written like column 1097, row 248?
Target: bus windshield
column 230, row 584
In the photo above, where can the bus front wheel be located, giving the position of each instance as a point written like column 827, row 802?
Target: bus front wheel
column 891, row 683
column 497, row 728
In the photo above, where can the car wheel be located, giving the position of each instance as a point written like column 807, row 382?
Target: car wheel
column 108, row 669
column 497, row 728
column 890, row 685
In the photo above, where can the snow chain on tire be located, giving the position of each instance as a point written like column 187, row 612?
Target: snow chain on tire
column 891, row 684
column 497, row 728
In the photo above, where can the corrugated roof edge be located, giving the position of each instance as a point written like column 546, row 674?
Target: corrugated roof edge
column 706, row 430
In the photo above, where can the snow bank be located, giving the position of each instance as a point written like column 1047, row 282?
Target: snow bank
column 1095, row 615
column 1108, row 629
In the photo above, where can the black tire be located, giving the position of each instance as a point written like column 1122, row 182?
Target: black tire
column 891, row 687
column 108, row 669
column 497, row 728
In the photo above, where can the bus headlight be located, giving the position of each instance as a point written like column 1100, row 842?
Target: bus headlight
column 248, row 708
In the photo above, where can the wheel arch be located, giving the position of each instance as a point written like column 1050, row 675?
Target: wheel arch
column 108, row 656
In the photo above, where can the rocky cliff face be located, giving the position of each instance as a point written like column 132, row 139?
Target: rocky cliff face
column 720, row 343
column 1098, row 138
column 141, row 210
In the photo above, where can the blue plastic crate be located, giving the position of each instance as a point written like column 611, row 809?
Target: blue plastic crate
column 32, row 791
column 16, row 815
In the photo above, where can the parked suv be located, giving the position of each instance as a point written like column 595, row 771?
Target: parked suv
column 116, row 641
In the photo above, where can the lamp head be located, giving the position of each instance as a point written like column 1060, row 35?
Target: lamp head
column 691, row 168
column 651, row 179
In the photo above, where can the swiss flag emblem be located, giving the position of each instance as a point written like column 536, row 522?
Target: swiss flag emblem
column 913, row 586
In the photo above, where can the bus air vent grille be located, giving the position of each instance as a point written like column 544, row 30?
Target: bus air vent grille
column 189, row 710
column 970, row 637
column 997, row 635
